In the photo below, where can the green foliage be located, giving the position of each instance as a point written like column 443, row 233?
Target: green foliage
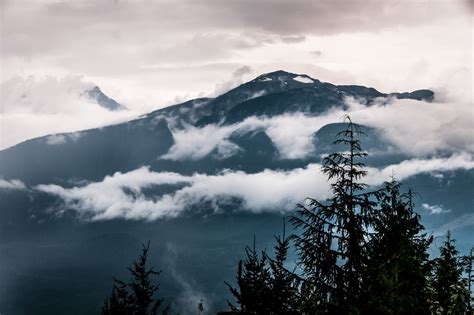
column 137, row 296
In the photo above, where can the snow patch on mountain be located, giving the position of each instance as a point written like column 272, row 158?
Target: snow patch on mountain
column 303, row 79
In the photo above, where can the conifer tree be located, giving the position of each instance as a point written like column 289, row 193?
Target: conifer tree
column 283, row 283
column 469, row 261
column 450, row 292
column 397, row 261
column 253, row 292
column 332, row 241
column 136, row 297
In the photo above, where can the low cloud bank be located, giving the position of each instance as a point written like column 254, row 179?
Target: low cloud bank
column 13, row 184
column 123, row 196
column 291, row 135
column 416, row 128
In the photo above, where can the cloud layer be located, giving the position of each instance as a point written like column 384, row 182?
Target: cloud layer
column 286, row 132
column 147, row 53
column 412, row 127
column 13, row 184
column 33, row 107
column 123, row 195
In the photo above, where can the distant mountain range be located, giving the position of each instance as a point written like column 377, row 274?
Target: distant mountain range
column 55, row 253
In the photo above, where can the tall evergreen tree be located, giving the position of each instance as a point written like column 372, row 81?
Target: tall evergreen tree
column 333, row 234
column 136, row 297
column 469, row 260
column 397, row 261
column 450, row 293
column 283, row 283
column 253, row 292
column 265, row 286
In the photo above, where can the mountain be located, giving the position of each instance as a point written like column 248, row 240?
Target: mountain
column 103, row 100
column 187, row 161
column 93, row 154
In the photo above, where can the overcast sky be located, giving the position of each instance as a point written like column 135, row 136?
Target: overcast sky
column 149, row 54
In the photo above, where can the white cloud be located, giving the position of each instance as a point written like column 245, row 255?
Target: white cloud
column 33, row 107
column 410, row 167
column 413, row 127
column 195, row 143
column 435, row 209
column 290, row 133
column 56, row 139
column 267, row 191
column 421, row 128
column 13, row 184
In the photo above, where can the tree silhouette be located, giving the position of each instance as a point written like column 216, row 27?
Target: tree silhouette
column 253, row 292
column 265, row 286
column 359, row 252
column 137, row 296
column 284, row 284
column 397, row 262
column 469, row 261
column 331, row 244
column 450, row 289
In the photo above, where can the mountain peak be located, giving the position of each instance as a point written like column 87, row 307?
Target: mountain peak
column 103, row 100
column 281, row 75
column 278, row 75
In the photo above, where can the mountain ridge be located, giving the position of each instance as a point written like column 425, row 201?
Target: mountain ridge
column 141, row 141
column 242, row 97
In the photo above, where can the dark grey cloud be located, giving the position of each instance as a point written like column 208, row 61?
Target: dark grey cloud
column 469, row 5
column 242, row 71
column 32, row 27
